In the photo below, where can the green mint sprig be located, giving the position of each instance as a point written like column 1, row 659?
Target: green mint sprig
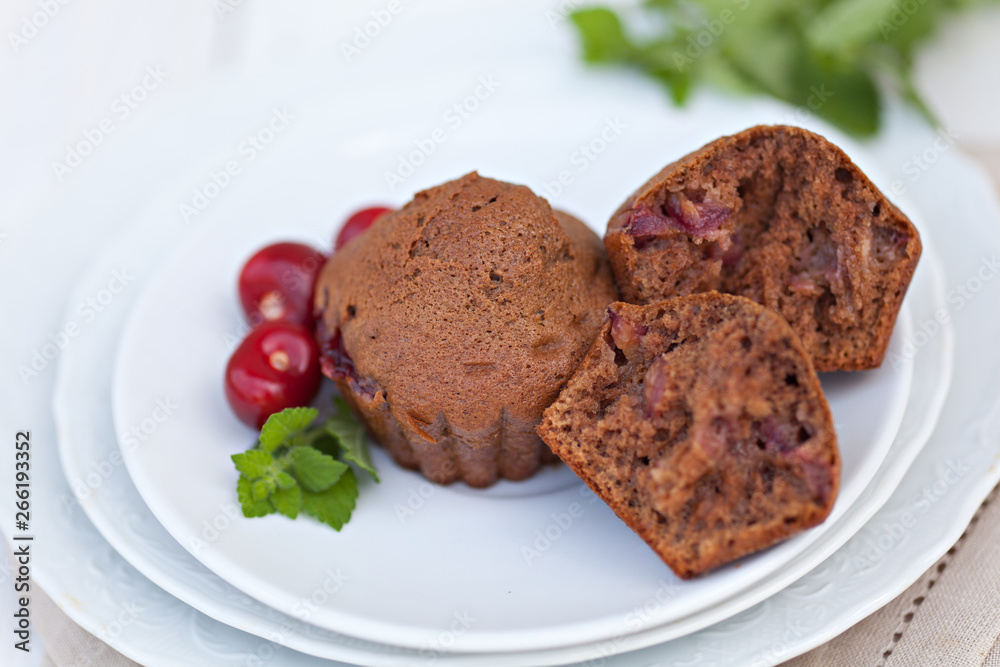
column 821, row 55
column 298, row 466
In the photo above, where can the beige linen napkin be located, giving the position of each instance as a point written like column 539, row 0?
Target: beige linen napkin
column 66, row 644
column 950, row 616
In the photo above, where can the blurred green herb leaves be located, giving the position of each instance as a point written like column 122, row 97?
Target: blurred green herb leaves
column 824, row 55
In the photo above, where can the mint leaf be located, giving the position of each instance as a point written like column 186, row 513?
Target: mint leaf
column 351, row 435
column 844, row 26
column 259, row 490
column 335, row 505
column 288, row 501
column 314, row 470
column 254, row 463
column 765, row 46
column 284, row 480
column 602, row 34
column 678, row 84
column 722, row 74
column 846, row 97
column 282, row 426
column 251, row 507
column 327, row 443
column 298, row 468
column 768, row 57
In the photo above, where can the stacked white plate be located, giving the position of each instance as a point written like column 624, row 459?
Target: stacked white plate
column 141, row 539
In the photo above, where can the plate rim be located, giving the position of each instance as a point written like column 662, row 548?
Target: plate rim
column 370, row 629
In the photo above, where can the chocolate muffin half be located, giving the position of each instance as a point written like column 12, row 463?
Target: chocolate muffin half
column 700, row 420
column 781, row 216
column 451, row 324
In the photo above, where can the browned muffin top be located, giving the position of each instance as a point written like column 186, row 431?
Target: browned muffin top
column 475, row 301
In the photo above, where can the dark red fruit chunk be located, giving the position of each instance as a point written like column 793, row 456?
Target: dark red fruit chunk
column 818, row 267
column 358, row 223
column 338, row 365
column 625, row 333
column 275, row 367
column 730, row 255
column 644, row 222
column 817, row 473
column 889, row 244
column 655, row 386
column 692, row 212
column 276, row 284
column 782, row 436
column 687, row 211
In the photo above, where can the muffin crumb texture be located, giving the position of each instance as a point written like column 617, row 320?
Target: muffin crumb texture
column 781, row 216
column 700, row 420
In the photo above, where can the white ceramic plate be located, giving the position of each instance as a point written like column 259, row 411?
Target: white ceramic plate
column 110, row 500
column 92, row 582
column 458, row 552
column 88, row 446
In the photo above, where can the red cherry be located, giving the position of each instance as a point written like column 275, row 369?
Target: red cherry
column 275, row 367
column 358, row 223
column 276, row 284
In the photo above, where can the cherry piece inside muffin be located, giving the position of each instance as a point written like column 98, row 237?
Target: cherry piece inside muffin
column 700, row 420
column 781, row 216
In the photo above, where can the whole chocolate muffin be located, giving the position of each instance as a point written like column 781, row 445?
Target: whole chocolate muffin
column 781, row 216
column 451, row 324
column 700, row 420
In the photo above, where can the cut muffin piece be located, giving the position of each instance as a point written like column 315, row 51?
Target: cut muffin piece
column 781, row 216
column 452, row 323
column 701, row 422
